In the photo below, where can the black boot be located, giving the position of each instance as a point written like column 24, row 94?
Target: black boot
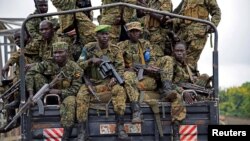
column 121, row 133
column 81, row 130
column 137, row 113
column 167, row 93
column 67, row 133
column 175, row 127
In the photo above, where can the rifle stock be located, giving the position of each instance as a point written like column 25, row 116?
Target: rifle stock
column 199, row 89
column 90, row 88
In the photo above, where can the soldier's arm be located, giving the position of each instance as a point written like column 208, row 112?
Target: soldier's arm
column 166, row 6
column 33, row 28
column 39, row 68
column 85, row 63
column 214, row 10
column 64, row 4
column 13, row 59
column 76, row 82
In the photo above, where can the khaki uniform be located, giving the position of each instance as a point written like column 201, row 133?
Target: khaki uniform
column 195, row 34
column 156, row 34
column 84, row 24
column 45, row 71
column 109, row 16
column 84, row 98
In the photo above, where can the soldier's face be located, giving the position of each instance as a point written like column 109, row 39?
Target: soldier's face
column 42, row 7
column 103, row 37
column 60, row 56
column 17, row 39
column 134, row 35
column 180, row 52
column 46, row 30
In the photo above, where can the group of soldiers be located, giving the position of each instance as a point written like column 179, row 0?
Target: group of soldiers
column 165, row 48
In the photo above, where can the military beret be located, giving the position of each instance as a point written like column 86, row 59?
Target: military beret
column 60, row 46
column 102, row 28
column 134, row 25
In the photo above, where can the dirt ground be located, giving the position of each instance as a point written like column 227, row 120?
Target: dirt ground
column 235, row 120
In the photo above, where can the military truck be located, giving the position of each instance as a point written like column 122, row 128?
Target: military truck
column 42, row 121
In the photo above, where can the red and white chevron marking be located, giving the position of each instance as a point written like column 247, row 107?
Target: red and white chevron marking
column 188, row 132
column 53, row 134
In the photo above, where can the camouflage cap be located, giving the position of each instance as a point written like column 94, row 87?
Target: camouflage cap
column 134, row 25
column 102, row 28
column 60, row 46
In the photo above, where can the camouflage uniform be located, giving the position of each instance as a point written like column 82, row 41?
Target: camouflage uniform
column 33, row 25
column 156, row 33
column 84, row 24
column 110, row 15
column 69, row 85
column 193, row 33
column 148, row 83
column 118, row 92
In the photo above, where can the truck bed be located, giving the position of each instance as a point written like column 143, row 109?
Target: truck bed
column 100, row 125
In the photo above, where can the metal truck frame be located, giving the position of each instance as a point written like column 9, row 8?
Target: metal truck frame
column 33, row 124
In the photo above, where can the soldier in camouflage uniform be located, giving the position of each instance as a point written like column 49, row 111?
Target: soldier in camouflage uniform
column 31, row 56
column 179, row 71
column 90, row 62
column 78, row 21
column 66, row 88
column 116, row 17
column 135, row 53
column 156, row 31
column 193, row 33
column 32, row 25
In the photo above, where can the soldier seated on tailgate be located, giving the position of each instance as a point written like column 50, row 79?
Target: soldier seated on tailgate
column 156, row 75
column 95, row 84
column 66, row 87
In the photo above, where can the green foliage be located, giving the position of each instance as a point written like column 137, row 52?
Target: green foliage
column 235, row 101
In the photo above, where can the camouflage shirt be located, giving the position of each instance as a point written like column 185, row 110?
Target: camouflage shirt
column 69, row 84
column 131, row 52
column 93, row 50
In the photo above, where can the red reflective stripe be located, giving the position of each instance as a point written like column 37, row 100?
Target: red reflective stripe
column 57, row 132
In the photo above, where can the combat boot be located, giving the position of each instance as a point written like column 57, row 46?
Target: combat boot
column 137, row 113
column 121, row 133
column 175, row 128
column 67, row 133
column 81, row 131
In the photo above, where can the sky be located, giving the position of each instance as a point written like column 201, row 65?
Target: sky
column 234, row 33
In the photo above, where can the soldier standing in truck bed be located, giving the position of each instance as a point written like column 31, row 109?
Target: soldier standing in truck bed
column 193, row 33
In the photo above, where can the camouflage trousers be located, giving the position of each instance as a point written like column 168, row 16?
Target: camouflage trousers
column 86, row 28
column 196, row 38
column 67, row 107
column 146, row 90
column 84, row 99
column 178, row 110
column 157, row 39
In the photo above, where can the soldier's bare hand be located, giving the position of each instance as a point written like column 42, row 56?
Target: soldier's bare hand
column 5, row 71
column 210, row 29
column 112, row 82
column 117, row 21
column 28, row 66
column 152, row 69
column 96, row 61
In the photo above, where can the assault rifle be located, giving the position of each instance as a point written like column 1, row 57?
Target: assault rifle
column 140, row 68
column 84, row 4
column 35, row 99
column 10, row 91
column 198, row 89
column 106, row 69
column 90, row 87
